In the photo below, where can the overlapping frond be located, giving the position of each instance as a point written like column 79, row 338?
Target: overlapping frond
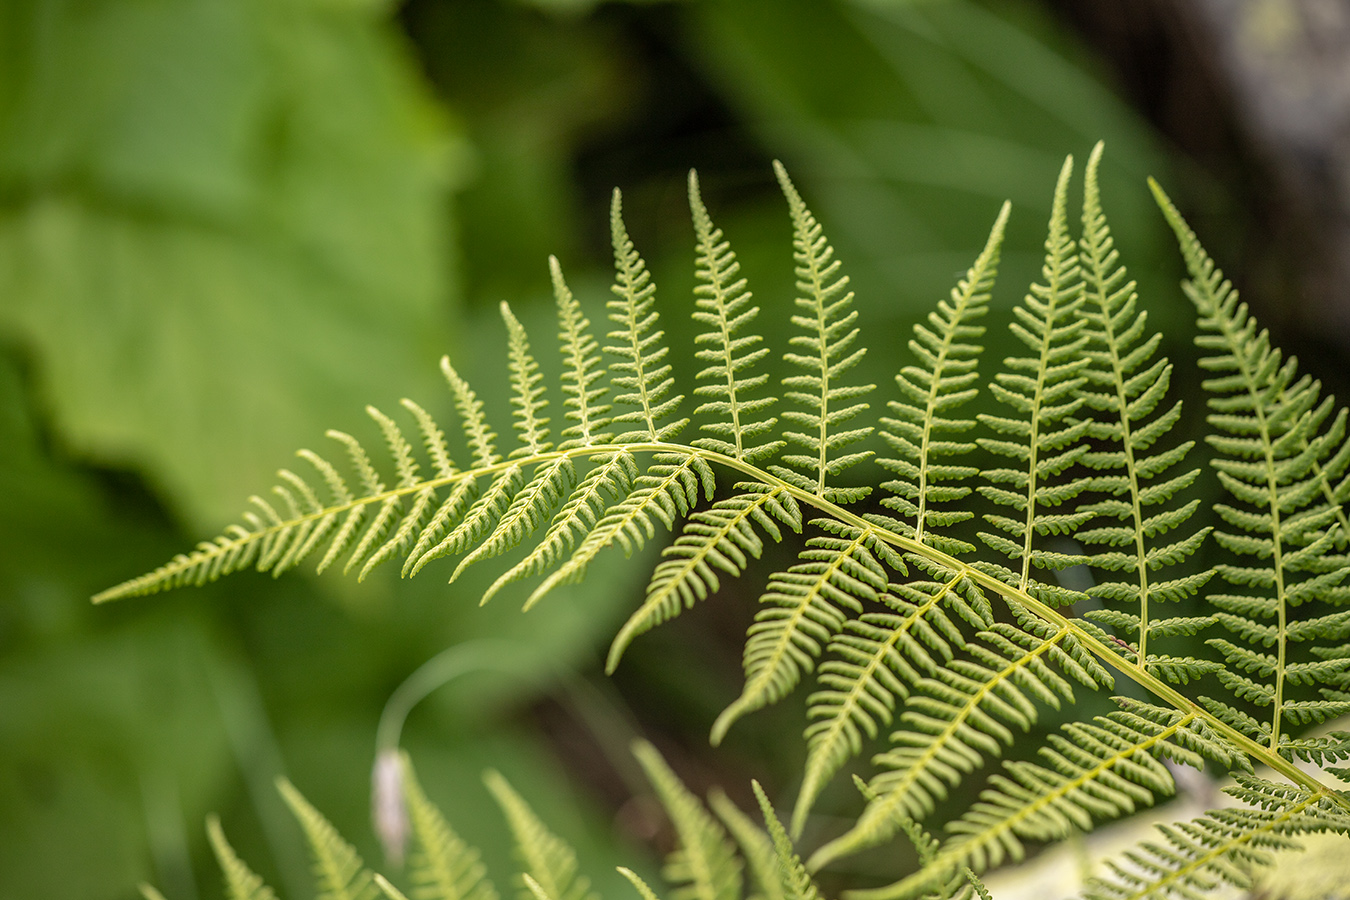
column 738, row 421
column 1281, row 455
column 962, row 713
column 639, row 367
column 1133, row 462
column 338, row 871
column 705, row 866
column 1226, row 846
column 804, row 607
column 1039, row 436
column 722, row 538
column 755, row 845
column 822, row 399
column 545, row 857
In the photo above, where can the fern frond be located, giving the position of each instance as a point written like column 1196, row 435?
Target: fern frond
column 825, row 402
column 720, row 305
column 1226, row 846
column 1280, row 454
column 527, row 395
column 802, row 610
column 547, row 858
column 961, row 715
column 796, row 881
column 667, row 491
column 1126, row 387
column 643, row 889
column 722, row 537
column 338, row 871
column 581, row 369
column 639, row 368
column 1040, row 437
column 945, row 380
column 443, row 866
column 756, row 846
column 241, row 882
column 705, row 866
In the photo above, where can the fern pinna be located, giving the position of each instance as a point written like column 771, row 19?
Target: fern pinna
column 933, row 610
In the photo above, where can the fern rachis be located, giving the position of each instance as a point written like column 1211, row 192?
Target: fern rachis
column 906, row 624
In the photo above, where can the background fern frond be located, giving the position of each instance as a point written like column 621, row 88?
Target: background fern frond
column 644, row 890
column 442, row 866
column 581, row 369
column 1279, row 455
column 338, row 871
column 797, row 882
column 824, row 400
column 241, row 882
column 933, row 391
column 1039, row 437
column 720, row 538
column 546, row 858
column 705, row 866
column 639, row 368
column 720, row 301
column 756, row 846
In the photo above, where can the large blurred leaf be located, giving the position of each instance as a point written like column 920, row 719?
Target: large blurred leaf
column 220, row 221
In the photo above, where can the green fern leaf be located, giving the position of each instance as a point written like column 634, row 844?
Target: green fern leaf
column 338, row 871
column 720, row 306
column 527, row 395
column 443, row 866
column 643, row 889
column 241, row 882
column 529, row 507
column 639, row 368
column 1279, row 454
column 825, row 402
column 1127, row 387
column 796, row 881
column 802, row 610
column 581, row 369
column 547, row 859
column 705, row 865
column 722, row 537
column 1041, row 438
column 480, row 519
column 667, row 491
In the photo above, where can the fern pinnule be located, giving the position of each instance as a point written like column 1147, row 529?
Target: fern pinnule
column 802, row 608
column 705, row 866
column 639, row 367
column 338, row 870
column 546, row 858
column 720, row 305
column 442, row 866
column 1287, row 480
column 1039, row 436
column 945, row 380
column 1125, row 388
column 644, row 890
column 530, row 506
column 528, row 397
column 824, row 402
column 796, row 880
column 481, row 517
column 581, row 369
column 241, row 882
column 724, row 538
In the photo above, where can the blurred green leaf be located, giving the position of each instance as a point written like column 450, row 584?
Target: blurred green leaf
column 219, row 222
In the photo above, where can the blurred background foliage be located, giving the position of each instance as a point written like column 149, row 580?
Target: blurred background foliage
column 226, row 225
